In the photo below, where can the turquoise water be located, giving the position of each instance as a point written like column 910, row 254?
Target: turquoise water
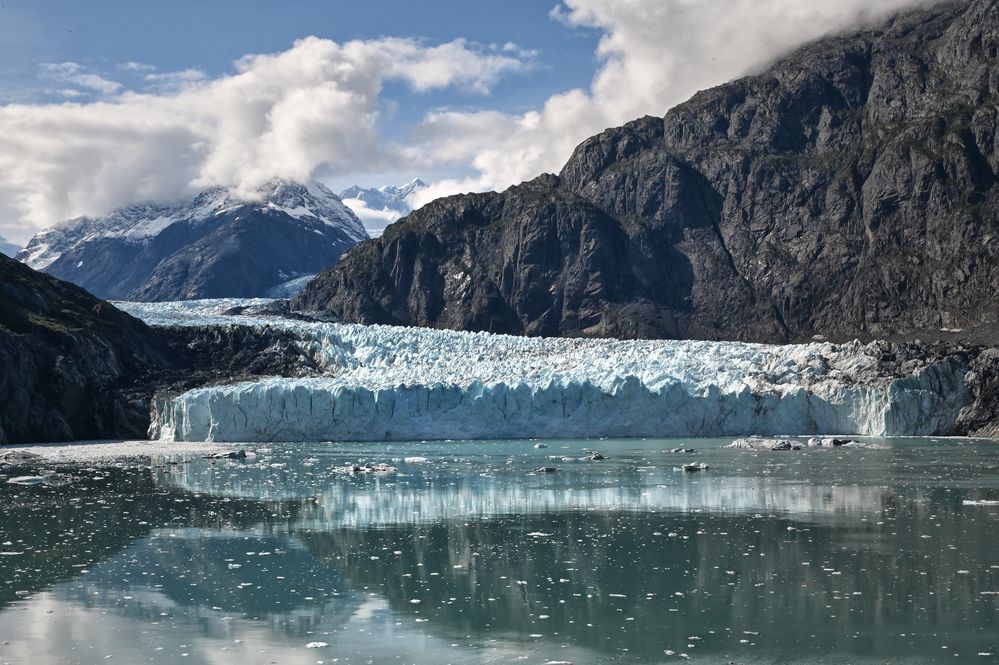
column 864, row 555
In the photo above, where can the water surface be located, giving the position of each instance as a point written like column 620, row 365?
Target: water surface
column 464, row 556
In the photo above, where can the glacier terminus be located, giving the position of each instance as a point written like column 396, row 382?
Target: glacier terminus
column 393, row 383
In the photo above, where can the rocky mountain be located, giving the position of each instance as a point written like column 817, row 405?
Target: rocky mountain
column 215, row 245
column 67, row 361
column 379, row 207
column 8, row 248
column 847, row 191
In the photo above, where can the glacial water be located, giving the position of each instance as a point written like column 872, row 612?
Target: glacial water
column 850, row 555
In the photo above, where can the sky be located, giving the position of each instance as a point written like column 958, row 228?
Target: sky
column 110, row 102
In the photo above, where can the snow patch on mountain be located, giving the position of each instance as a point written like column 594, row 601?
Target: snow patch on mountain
column 385, row 382
column 379, row 207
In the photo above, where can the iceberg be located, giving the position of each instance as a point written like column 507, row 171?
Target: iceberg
column 393, row 383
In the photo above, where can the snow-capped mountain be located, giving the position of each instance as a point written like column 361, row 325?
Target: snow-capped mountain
column 379, row 207
column 217, row 244
column 8, row 248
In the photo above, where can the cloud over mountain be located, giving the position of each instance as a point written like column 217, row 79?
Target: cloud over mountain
column 313, row 109
column 318, row 109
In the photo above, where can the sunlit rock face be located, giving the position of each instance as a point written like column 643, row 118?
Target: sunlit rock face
column 388, row 383
column 848, row 190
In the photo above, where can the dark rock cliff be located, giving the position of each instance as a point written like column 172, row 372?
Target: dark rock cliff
column 68, row 360
column 74, row 367
column 848, row 191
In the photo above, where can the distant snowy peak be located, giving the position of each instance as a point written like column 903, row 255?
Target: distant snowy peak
column 313, row 200
column 8, row 248
column 141, row 222
column 380, row 206
column 385, row 197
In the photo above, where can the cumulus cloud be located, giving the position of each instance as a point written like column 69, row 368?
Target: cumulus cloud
column 653, row 54
column 312, row 110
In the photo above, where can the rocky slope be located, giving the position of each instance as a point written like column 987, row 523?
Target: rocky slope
column 848, row 191
column 68, row 361
column 216, row 245
column 74, row 367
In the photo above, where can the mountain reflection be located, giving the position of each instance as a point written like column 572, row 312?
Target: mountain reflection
column 468, row 558
column 612, row 581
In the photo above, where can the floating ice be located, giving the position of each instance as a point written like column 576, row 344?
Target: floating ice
column 26, row 480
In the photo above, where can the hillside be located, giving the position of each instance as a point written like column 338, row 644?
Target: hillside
column 848, row 191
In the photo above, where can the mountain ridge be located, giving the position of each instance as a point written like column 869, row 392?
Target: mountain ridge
column 215, row 244
column 847, row 191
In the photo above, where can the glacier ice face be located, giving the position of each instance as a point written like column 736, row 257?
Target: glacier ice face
column 385, row 383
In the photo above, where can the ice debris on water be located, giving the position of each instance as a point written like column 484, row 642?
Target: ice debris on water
column 764, row 443
column 50, row 479
column 26, row 480
column 232, row 454
column 368, row 467
column 316, row 645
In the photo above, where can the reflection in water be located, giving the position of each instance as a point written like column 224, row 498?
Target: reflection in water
column 863, row 556
column 493, row 480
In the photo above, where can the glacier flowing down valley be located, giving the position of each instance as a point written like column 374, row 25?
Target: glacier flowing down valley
column 391, row 383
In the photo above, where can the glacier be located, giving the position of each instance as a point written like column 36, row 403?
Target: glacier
column 392, row 383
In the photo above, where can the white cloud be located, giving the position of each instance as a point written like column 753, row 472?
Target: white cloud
column 314, row 109
column 132, row 66
column 175, row 80
column 374, row 220
column 75, row 73
column 653, row 55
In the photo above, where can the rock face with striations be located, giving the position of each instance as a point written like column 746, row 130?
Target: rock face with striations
column 74, row 367
column 848, row 191
column 67, row 361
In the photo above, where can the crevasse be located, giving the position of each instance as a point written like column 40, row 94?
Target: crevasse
column 388, row 383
